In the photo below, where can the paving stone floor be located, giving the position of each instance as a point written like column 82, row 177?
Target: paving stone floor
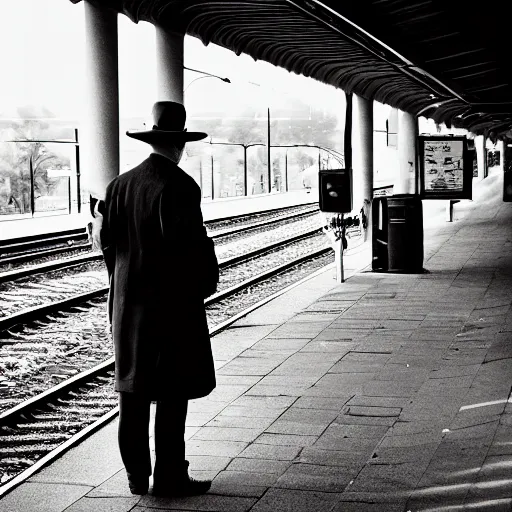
column 389, row 392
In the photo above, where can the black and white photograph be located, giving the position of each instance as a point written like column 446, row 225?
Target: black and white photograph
column 255, row 256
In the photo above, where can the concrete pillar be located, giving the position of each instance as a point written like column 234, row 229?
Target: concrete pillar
column 362, row 150
column 500, row 147
column 481, row 159
column 99, row 144
column 169, row 65
column 407, row 179
column 362, row 159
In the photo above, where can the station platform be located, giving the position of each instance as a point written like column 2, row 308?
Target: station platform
column 22, row 226
column 386, row 393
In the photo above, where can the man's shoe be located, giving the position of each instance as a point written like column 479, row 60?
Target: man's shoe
column 138, row 485
column 181, row 484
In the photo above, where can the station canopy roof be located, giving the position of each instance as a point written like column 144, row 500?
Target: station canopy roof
column 443, row 59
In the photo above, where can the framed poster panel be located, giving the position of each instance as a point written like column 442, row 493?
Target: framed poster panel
column 446, row 168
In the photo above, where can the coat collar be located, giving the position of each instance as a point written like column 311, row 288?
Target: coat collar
column 158, row 159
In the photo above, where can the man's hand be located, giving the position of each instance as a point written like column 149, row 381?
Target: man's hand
column 97, row 209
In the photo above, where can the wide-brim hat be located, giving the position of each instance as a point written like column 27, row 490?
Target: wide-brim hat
column 169, row 125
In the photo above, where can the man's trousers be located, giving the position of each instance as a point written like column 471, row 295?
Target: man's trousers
column 169, row 435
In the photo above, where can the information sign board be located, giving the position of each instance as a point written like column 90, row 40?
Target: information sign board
column 446, row 169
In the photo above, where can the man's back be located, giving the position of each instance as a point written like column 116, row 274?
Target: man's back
column 154, row 244
column 153, row 211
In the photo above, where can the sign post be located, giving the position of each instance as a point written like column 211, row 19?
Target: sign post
column 335, row 189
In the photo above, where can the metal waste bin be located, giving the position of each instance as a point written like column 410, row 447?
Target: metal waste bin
column 380, row 234
column 507, row 173
column 405, row 233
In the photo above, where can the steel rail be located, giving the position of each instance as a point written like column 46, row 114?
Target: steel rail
column 239, row 229
column 33, row 241
column 41, row 268
column 76, row 261
column 57, row 452
column 228, row 262
column 38, row 268
column 266, row 274
column 23, row 409
column 79, row 260
column 260, row 212
column 29, row 256
column 30, row 314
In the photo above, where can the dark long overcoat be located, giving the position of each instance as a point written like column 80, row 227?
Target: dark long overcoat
column 161, row 265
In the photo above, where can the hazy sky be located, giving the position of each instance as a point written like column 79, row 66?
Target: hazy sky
column 41, row 62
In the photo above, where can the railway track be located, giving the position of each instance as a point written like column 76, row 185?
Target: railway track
column 82, row 259
column 32, row 270
column 239, row 221
column 224, row 233
column 16, row 252
column 28, row 248
column 33, row 313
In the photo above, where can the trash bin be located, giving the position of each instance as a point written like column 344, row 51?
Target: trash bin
column 507, row 186
column 380, row 234
column 507, row 173
column 405, row 233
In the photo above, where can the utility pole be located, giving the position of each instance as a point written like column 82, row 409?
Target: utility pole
column 269, row 167
column 245, row 170
column 286, row 171
column 213, row 188
column 32, row 187
column 347, row 149
column 77, row 160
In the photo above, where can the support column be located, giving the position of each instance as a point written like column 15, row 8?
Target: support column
column 500, row 147
column 347, row 135
column 100, row 141
column 169, row 65
column 269, row 161
column 407, row 181
column 481, row 157
column 362, row 152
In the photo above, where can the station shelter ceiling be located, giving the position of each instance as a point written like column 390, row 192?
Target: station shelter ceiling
column 444, row 59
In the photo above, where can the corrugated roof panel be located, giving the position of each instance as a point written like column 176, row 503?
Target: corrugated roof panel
column 409, row 53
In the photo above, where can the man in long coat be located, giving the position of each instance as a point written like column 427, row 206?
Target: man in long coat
column 161, row 266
